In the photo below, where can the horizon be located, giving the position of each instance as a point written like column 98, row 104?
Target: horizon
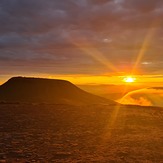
column 140, row 80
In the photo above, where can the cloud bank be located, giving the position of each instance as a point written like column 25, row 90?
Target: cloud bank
column 41, row 35
column 145, row 97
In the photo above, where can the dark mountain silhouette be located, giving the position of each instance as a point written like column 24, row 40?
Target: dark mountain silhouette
column 38, row 90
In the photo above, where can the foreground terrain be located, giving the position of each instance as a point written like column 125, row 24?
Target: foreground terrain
column 95, row 133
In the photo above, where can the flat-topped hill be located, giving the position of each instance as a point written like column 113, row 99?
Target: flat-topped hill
column 23, row 89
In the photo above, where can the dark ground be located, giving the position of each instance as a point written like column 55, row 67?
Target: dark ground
column 64, row 133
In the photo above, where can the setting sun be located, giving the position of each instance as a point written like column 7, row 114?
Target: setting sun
column 129, row 79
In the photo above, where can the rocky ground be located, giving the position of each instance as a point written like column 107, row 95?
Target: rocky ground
column 64, row 133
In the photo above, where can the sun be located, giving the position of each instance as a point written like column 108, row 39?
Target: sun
column 129, row 79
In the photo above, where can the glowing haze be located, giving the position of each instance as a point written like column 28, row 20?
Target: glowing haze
column 145, row 97
column 85, row 41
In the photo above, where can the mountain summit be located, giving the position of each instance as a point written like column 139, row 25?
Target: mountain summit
column 38, row 90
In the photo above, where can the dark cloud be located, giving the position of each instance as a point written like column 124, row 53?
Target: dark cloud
column 142, row 5
column 54, row 32
column 101, row 2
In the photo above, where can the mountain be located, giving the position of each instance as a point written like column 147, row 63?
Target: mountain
column 39, row 90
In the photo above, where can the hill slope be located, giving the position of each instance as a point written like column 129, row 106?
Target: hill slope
column 22, row 89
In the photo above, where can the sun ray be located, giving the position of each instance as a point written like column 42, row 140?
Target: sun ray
column 98, row 56
column 145, row 45
column 110, row 128
column 90, row 50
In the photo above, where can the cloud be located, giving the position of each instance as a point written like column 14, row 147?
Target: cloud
column 142, row 5
column 49, row 29
column 145, row 97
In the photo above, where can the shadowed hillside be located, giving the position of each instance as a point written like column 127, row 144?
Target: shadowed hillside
column 22, row 89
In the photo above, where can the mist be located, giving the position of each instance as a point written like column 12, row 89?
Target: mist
column 144, row 97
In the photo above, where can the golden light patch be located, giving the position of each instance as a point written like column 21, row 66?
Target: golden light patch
column 129, row 79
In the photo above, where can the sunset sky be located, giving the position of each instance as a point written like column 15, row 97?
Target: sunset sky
column 84, row 41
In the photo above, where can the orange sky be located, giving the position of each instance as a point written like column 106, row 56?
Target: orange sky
column 142, row 80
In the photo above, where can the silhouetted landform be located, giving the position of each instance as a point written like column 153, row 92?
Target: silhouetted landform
column 38, row 90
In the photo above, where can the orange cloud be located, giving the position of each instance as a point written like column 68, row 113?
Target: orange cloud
column 144, row 97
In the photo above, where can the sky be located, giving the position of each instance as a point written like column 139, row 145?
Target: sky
column 85, row 41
